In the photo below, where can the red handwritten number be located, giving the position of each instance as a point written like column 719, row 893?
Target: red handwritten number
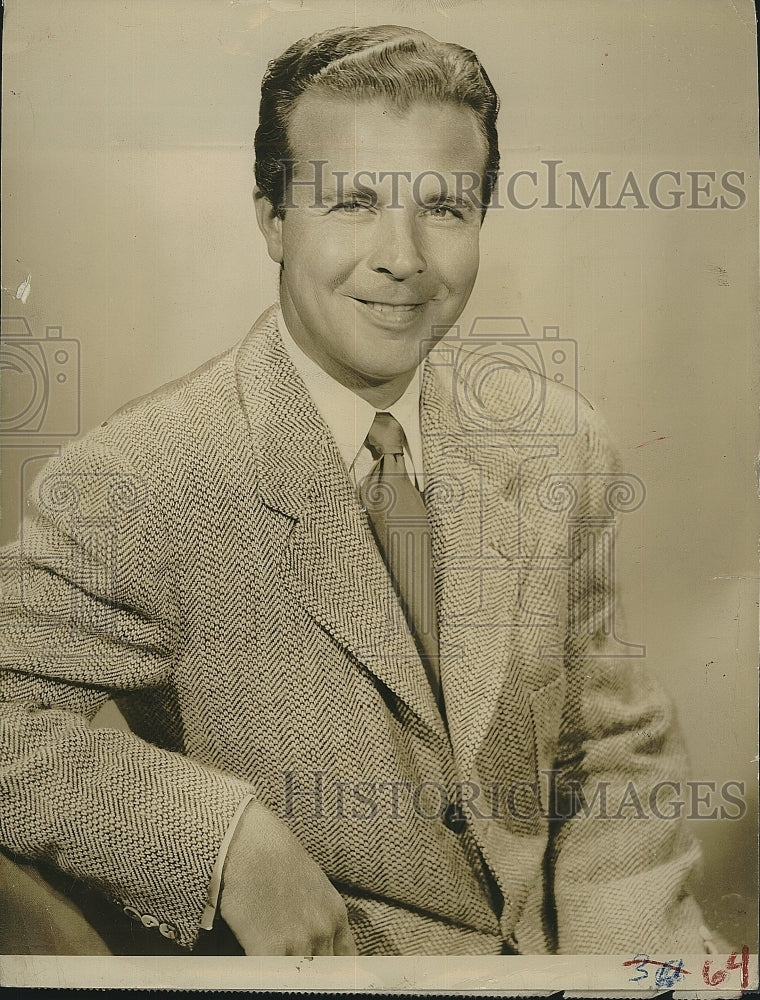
column 714, row 980
column 744, row 965
column 718, row 977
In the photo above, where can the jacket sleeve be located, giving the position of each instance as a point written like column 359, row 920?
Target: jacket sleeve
column 620, row 862
column 90, row 611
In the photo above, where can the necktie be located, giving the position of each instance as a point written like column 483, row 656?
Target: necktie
column 399, row 523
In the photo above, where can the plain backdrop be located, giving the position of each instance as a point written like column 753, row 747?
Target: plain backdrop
column 127, row 174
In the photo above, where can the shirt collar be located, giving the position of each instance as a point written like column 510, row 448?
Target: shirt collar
column 348, row 416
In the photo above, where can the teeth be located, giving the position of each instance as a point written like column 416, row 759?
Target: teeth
column 385, row 307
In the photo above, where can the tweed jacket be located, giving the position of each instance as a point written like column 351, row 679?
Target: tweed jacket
column 202, row 559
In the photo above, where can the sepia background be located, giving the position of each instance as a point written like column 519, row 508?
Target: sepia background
column 127, row 174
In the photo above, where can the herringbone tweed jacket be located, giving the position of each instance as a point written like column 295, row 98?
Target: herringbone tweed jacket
column 202, row 558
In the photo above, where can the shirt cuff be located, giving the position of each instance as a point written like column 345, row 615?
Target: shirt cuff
column 215, row 885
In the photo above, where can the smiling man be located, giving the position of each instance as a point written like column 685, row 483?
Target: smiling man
column 365, row 653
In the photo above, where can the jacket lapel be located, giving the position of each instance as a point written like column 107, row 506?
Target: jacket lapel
column 326, row 555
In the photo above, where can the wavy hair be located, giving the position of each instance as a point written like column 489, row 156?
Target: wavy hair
column 399, row 64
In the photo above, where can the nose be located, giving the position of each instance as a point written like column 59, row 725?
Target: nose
column 396, row 250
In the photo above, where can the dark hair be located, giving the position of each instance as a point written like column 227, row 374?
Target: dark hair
column 397, row 63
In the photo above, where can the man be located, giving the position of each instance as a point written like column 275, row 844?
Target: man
column 355, row 722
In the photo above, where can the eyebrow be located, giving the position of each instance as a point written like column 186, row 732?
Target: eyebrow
column 348, row 192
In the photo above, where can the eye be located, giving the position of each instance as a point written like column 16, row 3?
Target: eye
column 352, row 205
column 445, row 211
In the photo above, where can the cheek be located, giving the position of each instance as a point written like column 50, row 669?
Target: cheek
column 333, row 263
column 316, row 249
column 456, row 258
column 315, row 274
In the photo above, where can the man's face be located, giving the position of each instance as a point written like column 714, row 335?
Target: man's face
column 387, row 250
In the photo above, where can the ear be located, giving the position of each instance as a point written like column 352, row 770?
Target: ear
column 270, row 224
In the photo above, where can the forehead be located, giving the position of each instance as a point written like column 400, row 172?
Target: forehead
column 371, row 134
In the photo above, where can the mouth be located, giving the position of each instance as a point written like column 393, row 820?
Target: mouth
column 390, row 308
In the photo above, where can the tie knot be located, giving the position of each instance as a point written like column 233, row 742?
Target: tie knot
column 386, row 436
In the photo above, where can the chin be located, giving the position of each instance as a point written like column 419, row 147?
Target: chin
column 399, row 366
column 386, row 354
column 377, row 375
